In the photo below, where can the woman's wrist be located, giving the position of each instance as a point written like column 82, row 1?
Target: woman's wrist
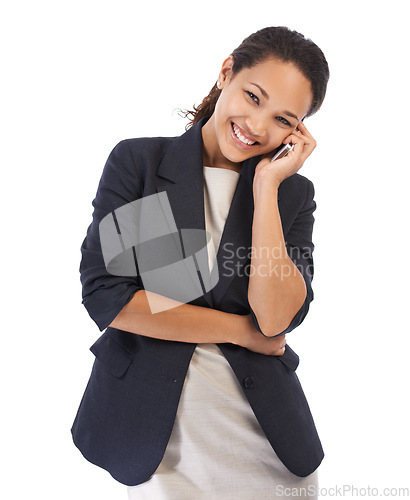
column 265, row 185
column 243, row 329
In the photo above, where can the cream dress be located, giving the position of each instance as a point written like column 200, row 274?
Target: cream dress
column 217, row 449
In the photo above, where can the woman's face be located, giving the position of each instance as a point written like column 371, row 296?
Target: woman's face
column 257, row 109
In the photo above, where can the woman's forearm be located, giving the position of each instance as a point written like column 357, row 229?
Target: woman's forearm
column 182, row 322
column 193, row 324
column 276, row 287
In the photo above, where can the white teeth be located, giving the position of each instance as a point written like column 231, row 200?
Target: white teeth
column 241, row 137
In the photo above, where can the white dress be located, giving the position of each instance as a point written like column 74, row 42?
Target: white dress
column 217, row 449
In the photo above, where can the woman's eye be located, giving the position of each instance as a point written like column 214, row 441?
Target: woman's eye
column 283, row 120
column 252, row 96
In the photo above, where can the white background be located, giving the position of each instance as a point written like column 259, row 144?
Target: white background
column 80, row 76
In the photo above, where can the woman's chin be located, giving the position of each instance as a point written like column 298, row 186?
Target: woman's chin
column 236, row 156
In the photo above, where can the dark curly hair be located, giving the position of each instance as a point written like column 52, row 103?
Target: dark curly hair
column 277, row 42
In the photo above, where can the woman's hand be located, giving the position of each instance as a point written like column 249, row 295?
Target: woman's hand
column 275, row 172
column 253, row 340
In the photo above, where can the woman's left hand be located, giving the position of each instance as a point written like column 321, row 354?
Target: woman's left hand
column 279, row 170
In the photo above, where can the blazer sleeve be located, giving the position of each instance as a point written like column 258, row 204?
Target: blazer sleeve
column 104, row 294
column 300, row 248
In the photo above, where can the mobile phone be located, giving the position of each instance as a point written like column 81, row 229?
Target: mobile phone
column 283, row 151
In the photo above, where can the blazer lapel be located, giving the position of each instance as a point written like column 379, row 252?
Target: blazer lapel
column 180, row 175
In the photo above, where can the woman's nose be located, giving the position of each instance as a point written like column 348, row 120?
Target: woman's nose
column 256, row 126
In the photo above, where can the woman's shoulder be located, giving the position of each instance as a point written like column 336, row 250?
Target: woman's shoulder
column 139, row 153
column 146, row 146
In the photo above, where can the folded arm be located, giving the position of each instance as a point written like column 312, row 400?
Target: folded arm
column 194, row 324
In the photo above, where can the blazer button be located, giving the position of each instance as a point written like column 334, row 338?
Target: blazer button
column 248, row 382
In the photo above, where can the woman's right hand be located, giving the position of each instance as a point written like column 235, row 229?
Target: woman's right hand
column 253, row 340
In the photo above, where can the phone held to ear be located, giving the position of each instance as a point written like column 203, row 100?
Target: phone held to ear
column 283, row 151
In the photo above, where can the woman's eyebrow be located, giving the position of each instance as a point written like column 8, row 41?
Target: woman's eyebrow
column 288, row 113
column 261, row 89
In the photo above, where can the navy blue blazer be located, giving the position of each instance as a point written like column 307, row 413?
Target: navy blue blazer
column 128, row 409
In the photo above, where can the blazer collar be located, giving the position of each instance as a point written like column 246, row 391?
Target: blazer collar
column 180, row 174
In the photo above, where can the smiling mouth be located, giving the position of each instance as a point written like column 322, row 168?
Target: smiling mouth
column 238, row 134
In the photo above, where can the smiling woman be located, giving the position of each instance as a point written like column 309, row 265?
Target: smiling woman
column 257, row 109
column 201, row 400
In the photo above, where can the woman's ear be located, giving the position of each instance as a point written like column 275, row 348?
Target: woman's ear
column 226, row 71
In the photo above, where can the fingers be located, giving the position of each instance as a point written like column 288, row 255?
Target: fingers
column 270, row 346
column 303, row 141
column 282, row 346
column 299, row 136
column 298, row 149
column 302, row 127
column 304, row 134
column 280, row 351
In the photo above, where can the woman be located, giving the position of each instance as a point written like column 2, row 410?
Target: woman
column 201, row 399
